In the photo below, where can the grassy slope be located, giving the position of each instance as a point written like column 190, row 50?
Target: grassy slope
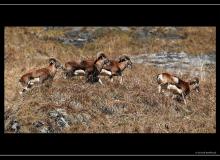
column 134, row 106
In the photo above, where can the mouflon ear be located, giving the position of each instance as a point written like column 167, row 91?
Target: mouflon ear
column 122, row 58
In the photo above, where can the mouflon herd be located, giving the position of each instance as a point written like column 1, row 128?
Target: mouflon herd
column 101, row 65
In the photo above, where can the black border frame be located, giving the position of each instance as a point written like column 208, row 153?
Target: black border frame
column 149, row 144
column 107, row 2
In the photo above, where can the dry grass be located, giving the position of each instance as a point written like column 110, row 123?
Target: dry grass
column 133, row 107
column 196, row 40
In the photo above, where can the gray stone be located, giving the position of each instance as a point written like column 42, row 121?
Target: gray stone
column 15, row 126
column 38, row 124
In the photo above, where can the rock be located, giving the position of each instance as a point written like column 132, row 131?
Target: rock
column 45, row 130
column 172, row 36
column 53, row 114
column 62, row 122
column 38, row 124
column 107, row 110
column 142, row 33
column 15, row 126
column 86, row 36
column 171, row 33
column 77, row 29
column 75, row 104
column 61, row 117
column 170, row 29
column 77, row 37
column 81, row 118
column 125, row 29
column 61, row 111
column 72, row 34
column 176, row 62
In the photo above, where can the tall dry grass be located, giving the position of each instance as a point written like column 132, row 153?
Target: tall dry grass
column 133, row 107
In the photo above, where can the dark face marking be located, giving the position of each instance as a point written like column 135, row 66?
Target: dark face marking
column 126, row 59
column 196, row 87
column 54, row 61
column 195, row 84
column 58, row 65
column 106, row 61
column 103, row 58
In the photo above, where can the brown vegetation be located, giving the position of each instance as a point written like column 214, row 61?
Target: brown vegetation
column 132, row 107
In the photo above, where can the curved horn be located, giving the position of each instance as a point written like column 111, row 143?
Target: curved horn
column 123, row 57
column 52, row 60
column 99, row 54
column 56, row 62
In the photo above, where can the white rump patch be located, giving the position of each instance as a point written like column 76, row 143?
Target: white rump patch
column 176, row 80
column 160, row 77
column 79, row 72
column 174, row 87
column 104, row 71
column 31, row 82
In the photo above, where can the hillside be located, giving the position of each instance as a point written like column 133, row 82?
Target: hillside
column 74, row 106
